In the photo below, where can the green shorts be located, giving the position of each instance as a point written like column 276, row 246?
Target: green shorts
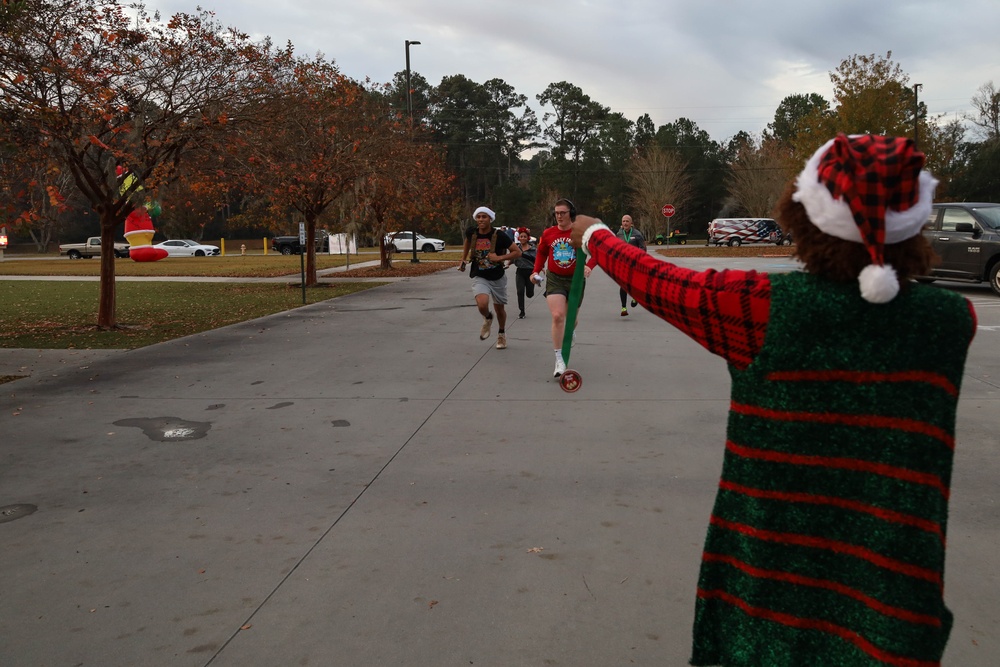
column 556, row 284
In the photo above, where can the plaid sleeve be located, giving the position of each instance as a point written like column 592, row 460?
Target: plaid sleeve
column 725, row 311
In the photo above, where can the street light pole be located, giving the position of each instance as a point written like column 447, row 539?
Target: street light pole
column 916, row 114
column 409, row 114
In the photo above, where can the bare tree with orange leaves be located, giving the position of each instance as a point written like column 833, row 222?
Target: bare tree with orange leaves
column 103, row 89
column 407, row 180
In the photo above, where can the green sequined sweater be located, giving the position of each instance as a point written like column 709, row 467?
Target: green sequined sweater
column 826, row 542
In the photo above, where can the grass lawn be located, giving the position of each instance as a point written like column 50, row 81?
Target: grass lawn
column 248, row 266
column 42, row 314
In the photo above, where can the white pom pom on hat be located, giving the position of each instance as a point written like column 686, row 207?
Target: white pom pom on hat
column 484, row 209
column 872, row 190
column 879, row 283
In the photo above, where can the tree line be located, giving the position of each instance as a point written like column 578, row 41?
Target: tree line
column 234, row 136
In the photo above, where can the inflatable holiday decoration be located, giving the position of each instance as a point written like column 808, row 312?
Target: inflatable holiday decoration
column 139, row 223
column 139, row 234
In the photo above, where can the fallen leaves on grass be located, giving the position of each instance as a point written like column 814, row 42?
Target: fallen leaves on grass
column 399, row 270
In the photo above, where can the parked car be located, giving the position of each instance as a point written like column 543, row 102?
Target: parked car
column 289, row 245
column 91, row 248
column 737, row 231
column 187, row 248
column 403, row 242
column 966, row 236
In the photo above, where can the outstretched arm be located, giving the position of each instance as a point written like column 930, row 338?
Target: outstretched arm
column 725, row 311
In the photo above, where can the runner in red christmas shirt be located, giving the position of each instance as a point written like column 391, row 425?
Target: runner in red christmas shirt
column 558, row 258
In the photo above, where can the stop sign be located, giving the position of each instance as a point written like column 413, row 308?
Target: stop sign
column 667, row 210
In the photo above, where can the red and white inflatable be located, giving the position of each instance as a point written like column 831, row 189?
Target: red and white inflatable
column 139, row 234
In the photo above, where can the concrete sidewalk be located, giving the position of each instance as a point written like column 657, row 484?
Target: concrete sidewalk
column 365, row 482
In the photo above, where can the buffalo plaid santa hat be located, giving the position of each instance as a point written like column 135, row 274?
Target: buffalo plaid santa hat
column 871, row 190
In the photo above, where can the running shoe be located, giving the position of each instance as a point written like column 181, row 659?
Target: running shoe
column 560, row 366
column 634, row 303
column 501, row 341
column 484, row 333
column 624, row 312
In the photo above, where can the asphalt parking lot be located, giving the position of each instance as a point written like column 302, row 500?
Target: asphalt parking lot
column 363, row 481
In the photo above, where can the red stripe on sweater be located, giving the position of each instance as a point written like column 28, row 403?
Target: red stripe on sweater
column 843, row 463
column 835, row 546
column 862, row 377
column 890, row 516
column 818, row 624
column 826, row 584
column 867, row 421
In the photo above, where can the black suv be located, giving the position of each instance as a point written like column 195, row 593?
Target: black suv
column 966, row 235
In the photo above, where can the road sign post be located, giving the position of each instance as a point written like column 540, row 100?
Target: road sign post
column 668, row 211
column 302, row 258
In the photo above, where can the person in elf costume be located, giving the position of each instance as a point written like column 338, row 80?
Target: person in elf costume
column 826, row 543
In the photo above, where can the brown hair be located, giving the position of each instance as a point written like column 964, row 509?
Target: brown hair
column 841, row 260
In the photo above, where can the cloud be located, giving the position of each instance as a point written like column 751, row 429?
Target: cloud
column 725, row 64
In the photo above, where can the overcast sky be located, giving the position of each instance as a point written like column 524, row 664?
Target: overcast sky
column 725, row 64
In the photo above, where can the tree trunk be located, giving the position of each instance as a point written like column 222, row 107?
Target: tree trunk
column 385, row 256
column 310, row 251
column 106, row 318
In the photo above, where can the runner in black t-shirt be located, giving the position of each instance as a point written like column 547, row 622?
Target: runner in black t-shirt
column 486, row 249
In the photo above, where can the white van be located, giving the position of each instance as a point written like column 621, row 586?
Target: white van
column 737, row 231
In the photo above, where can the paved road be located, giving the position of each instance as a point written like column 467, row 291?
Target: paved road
column 364, row 482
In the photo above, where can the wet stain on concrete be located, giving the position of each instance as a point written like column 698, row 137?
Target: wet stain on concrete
column 278, row 406
column 439, row 308
column 367, row 310
column 168, row 429
column 341, row 422
column 216, row 406
column 204, row 648
column 14, row 512
column 257, row 382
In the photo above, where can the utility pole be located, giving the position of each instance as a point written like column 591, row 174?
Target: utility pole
column 916, row 115
column 409, row 113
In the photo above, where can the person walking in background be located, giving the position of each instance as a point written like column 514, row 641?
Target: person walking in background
column 487, row 249
column 826, row 544
column 523, row 267
column 632, row 236
column 557, row 258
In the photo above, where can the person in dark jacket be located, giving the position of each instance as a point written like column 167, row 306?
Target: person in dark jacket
column 523, row 267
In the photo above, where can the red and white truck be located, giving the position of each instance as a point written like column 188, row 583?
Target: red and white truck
column 737, row 231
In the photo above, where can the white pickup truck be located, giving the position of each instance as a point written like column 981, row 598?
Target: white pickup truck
column 92, row 248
